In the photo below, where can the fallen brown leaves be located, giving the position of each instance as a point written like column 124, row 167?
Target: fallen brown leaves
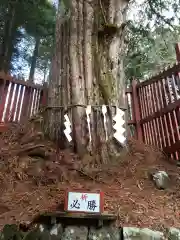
column 33, row 178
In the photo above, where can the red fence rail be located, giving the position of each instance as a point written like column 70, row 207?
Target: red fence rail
column 156, row 110
column 19, row 99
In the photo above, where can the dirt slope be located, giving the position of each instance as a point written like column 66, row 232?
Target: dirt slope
column 34, row 176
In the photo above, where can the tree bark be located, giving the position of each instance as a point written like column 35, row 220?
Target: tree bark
column 87, row 69
column 34, row 59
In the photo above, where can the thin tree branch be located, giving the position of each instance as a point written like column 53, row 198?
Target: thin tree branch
column 159, row 15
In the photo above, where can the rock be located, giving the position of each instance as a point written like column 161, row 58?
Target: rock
column 174, row 234
column 130, row 233
column 42, row 227
column 74, row 232
column 147, row 234
column 11, row 232
column 40, row 233
column 105, row 233
column 161, row 179
column 34, row 234
column 56, row 231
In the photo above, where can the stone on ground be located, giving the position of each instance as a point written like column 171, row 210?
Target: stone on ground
column 161, row 179
column 132, row 233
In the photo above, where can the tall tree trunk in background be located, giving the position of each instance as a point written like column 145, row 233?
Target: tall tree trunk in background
column 44, row 74
column 87, row 69
column 34, row 59
column 10, row 29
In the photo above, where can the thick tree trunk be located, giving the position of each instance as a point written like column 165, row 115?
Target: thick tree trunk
column 34, row 59
column 87, row 69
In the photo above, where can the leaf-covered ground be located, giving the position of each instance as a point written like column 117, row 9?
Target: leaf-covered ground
column 34, row 177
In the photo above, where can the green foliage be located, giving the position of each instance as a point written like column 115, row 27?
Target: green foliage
column 45, row 55
column 32, row 18
column 148, row 54
column 41, row 19
column 66, row 4
column 151, row 38
column 151, row 35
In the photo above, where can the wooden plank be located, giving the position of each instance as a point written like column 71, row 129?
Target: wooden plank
column 160, row 99
column 145, row 102
column 164, row 104
column 131, row 122
column 141, row 102
column 38, row 100
column 13, row 110
column 30, row 102
column 64, row 215
column 43, row 97
column 8, row 114
column 2, row 85
column 136, row 109
column 26, row 100
column 35, row 102
column 158, row 119
column 173, row 148
column 154, row 109
column 19, row 103
column 177, row 48
column 3, row 99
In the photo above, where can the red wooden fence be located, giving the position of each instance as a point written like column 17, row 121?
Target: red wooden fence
column 153, row 106
column 19, row 99
column 156, row 109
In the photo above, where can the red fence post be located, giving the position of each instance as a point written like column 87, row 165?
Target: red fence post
column 43, row 98
column 3, row 98
column 26, row 103
column 177, row 48
column 136, row 110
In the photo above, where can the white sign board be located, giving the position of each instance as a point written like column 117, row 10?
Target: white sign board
column 84, row 202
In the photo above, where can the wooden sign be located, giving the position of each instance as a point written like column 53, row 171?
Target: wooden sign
column 84, row 202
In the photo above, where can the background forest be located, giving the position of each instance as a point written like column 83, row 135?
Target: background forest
column 27, row 32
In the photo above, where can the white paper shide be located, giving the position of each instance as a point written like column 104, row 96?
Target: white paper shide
column 104, row 112
column 88, row 112
column 118, row 126
column 83, row 202
column 68, row 129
